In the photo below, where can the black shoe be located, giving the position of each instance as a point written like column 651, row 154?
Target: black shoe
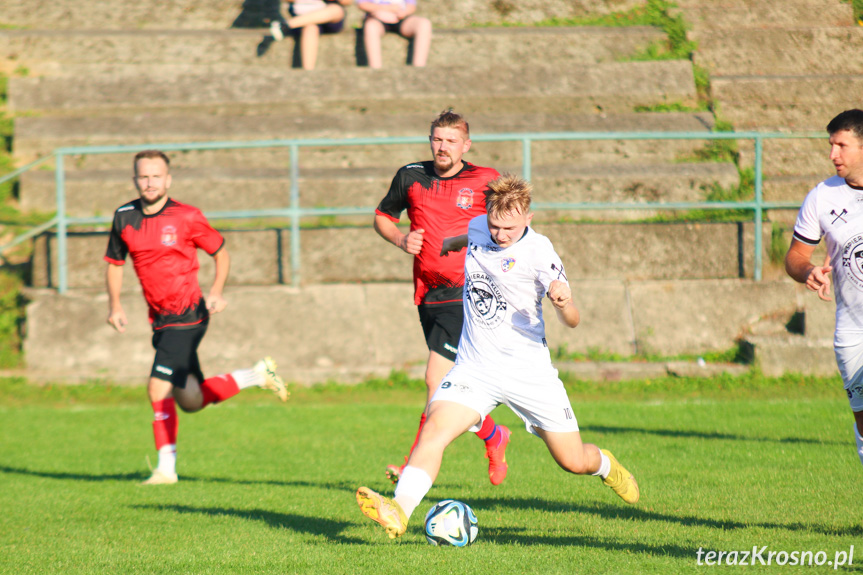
column 265, row 45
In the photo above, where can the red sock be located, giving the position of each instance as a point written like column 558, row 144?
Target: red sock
column 488, row 430
column 218, row 388
column 416, row 440
column 165, row 422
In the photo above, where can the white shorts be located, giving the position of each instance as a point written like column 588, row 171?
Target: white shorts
column 536, row 396
column 849, row 358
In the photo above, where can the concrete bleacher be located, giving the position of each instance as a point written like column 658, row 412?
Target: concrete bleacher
column 220, row 14
column 134, row 78
column 789, row 67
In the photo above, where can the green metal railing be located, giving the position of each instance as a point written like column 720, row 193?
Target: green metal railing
column 295, row 213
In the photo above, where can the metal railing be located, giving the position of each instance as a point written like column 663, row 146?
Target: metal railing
column 295, row 213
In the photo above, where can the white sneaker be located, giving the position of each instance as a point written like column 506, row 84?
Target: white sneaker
column 276, row 30
column 267, row 367
column 159, row 477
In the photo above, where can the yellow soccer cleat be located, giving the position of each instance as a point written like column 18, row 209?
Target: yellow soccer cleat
column 159, row 477
column 267, row 367
column 385, row 511
column 621, row 480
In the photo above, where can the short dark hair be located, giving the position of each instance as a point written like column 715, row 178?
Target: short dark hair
column 851, row 120
column 151, row 155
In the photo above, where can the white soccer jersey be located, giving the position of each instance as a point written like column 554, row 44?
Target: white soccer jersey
column 834, row 210
column 503, row 291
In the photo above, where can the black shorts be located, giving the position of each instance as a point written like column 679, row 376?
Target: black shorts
column 177, row 354
column 442, row 324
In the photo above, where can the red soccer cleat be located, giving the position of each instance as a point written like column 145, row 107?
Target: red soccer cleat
column 496, row 456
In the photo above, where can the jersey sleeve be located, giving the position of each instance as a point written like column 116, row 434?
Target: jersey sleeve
column 549, row 267
column 396, row 200
column 203, row 235
column 117, row 248
column 807, row 229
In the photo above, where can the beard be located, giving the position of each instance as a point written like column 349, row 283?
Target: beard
column 149, row 200
column 443, row 163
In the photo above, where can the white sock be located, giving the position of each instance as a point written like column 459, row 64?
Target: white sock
column 604, row 465
column 413, row 486
column 248, row 378
column 168, row 459
column 859, row 443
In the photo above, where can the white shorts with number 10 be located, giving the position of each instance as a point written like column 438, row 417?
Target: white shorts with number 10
column 537, row 396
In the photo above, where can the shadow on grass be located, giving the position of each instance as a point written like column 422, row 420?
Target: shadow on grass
column 708, row 435
column 139, row 476
column 325, row 527
column 638, row 514
column 75, row 476
column 300, row 523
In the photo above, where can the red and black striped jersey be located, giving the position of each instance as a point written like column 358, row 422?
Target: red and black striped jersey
column 442, row 207
column 164, row 249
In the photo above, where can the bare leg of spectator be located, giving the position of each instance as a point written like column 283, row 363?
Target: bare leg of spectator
column 373, row 32
column 420, row 29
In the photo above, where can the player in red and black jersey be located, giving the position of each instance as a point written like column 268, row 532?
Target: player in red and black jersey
column 163, row 237
column 441, row 197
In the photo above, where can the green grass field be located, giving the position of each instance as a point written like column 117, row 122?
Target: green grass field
column 269, row 488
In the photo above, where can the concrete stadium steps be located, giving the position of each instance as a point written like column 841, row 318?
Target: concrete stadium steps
column 776, row 52
column 222, row 189
column 345, row 255
column 549, row 88
column 783, row 158
column 61, row 52
column 220, row 14
column 36, row 137
column 659, row 317
column 724, row 15
column 788, row 103
column 790, row 188
column 789, row 66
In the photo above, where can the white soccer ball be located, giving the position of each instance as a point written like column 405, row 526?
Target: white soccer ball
column 451, row 522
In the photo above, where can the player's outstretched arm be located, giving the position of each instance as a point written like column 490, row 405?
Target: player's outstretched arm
column 411, row 243
column 560, row 295
column 453, row 244
column 114, row 281
column 798, row 264
column 215, row 300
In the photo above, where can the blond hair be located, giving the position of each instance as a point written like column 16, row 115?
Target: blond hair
column 507, row 194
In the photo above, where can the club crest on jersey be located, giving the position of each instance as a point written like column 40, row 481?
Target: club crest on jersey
column 485, row 299
column 464, row 200
column 852, row 259
column 169, row 236
column 507, row 264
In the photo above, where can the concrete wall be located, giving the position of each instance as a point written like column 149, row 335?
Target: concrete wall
column 591, row 251
column 346, row 332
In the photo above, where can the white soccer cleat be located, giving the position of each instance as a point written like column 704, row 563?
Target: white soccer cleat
column 267, row 368
column 159, row 477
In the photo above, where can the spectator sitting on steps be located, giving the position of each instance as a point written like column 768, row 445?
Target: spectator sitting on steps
column 399, row 16
column 309, row 19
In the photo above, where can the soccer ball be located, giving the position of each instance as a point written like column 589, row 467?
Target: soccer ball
column 451, row 522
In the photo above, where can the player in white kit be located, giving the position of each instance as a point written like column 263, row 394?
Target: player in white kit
column 834, row 210
column 503, row 357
